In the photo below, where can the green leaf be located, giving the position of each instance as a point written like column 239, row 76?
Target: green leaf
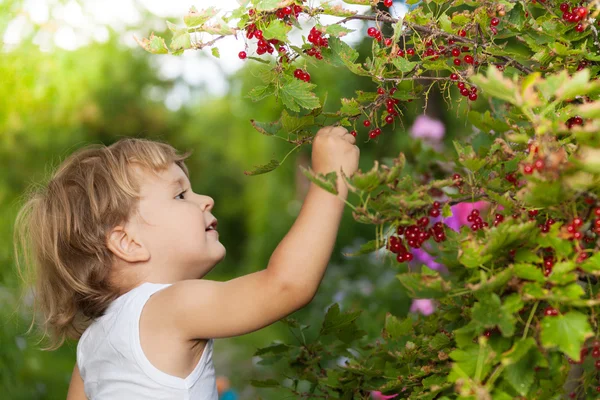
column 273, row 349
column 592, row 264
column 403, row 65
column 359, row 2
column 489, row 312
column 154, row 45
column 545, row 194
column 336, row 320
column 367, row 248
column 529, row 272
column 296, row 93
column 266, row 5
column 260, row 92
column 394, row 328
column 396, row 169
column 292, row 124
column 215, row 52
column 195, row 17
column 523, row 360
column 572, row 291
column 421, row 286
column 262, row 169
column 337, row 30
column 527, row 256
column 487, row 123
column 568, row 332
column 336, row 10
column 181, row 40
column 367, row 181
column 350, row 107
column 266, row 128
column 327, row 182
column 445, row 23
column 578, row 85
column 276, row 29
column 497, row 86
column 506, row 235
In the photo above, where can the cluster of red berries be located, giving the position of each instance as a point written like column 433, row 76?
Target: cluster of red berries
column 374, row 33
column 493, row 24
column 550, row 312
column 302, row 75
column 545, row 227
column 434, row 211
column 415, row 235
column 471, row 93
column 390, row 103
column 574, row 233
column 537, row 165
column 284, row 12
column 477, row 222
column 264, row 45
column 548, row 265
column 576, row 120
column 575, row 15
column 585, row 352
column 458, row 181
column 315, row 37
column 512, row 178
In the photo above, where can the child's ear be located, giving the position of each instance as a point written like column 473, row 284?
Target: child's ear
column 125, row 246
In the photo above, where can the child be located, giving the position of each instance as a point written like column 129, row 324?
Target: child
column 121, row 243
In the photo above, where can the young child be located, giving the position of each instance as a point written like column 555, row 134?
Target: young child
column 119, row 244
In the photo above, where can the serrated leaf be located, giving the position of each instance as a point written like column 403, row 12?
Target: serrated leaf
column 568, row 332
column 488, row 312
column 260, row 92
column 521, row 372
column 421, row 286
column 403, row 65
column 277, row 29
column 215, row 52
column 292, row 124
column 266, row 128
column 154, row 45
column 195, row 17
column 335, row 320
column 394, row 328
column 529, row 272
column 368, row 181
column 367, row 248
column 267, row 5
column 496, row 85
column 350, row 107
column 337, row 30
column 592, row 264
column 327, row 182
column 181, row 40
column 263, row 169
column 273, row 349
column 296, row 93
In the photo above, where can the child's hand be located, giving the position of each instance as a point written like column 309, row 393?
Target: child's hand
column 333, row 149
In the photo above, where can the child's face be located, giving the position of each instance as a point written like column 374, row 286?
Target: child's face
column 173, row 228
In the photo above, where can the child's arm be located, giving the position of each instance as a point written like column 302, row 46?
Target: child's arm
column 76, row 387
column 196, row 309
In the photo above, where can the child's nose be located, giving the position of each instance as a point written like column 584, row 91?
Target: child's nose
column 207, row 203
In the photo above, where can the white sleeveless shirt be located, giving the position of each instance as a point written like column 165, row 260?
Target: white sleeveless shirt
column 113, row 366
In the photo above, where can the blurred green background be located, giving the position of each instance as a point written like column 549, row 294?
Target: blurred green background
column 54, row 100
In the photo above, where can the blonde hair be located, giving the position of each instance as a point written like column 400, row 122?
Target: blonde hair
column 63, row 226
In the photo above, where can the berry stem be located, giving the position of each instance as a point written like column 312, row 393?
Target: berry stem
column 531, row 314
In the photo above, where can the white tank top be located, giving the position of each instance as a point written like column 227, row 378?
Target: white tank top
column 113, row 366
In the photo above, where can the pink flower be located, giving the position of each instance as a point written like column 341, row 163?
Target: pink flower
column 375, row 395
column 423, row 306
column 431, row 130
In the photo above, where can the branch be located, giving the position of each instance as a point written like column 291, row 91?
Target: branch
column 436, row 32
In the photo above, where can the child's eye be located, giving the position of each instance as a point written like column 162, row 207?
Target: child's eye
column 181, row 194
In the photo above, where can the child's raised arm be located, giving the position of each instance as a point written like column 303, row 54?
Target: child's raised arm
column 202, row 309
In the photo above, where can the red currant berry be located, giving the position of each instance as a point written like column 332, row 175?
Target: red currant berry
column 538, row 164
column 377, row 131
column 596, row 352
column 550, row 311
column 410, row 52
column 353, row 133
column 389, row 119
column 564, row 7
column 528, row 169
column 454, row 77
column 597, row 364
column 577, row 222
column 457, row 61
column 380, row 90
column 434, row 212
column 242, row 55
column 468, row 59
column 388, row 42
column 461, row 85
column 464, row 91
column 494, row 21
column 580, row 28
column 367, row 123
column 456, row 177
column 462, row 33
column 388, row 3
column 258, row 34
column 582, row 11
column 372, row 32
column 473, row 96
column 455, row 52
column 372, row 134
